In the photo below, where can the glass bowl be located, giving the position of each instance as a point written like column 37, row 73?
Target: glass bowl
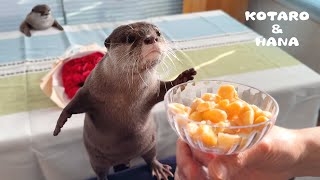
column 241, row 137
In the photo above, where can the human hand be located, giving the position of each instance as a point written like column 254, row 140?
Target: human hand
column 275, row 157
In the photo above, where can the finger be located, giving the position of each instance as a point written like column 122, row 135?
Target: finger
column 202, row 157
column 158, row 175
column 227, row 167
column 184, row 154
column 163, row 175
column 167, row 169
column 167, row 166
column 188, row 167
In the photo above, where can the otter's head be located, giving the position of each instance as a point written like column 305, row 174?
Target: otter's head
column 42, row 10
column 139, row 45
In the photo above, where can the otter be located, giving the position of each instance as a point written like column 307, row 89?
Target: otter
column 117, row 98
column 39, row 18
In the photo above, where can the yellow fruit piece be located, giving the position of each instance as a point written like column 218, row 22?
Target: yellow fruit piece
column 263, row 113
column 195, row 104
column 192, row 129
column 207, row 135
column 177, row 108
column 246, row 107
column 260, row 119
column 227, row 141
column 196, row 116
column 255, row 108
column 211, row 97
column 234, row 108
column 227, row 92
column 214, row 115
column 231, row 131
column 245, row 130
column 247, row 117
column 204, row 106
column 267, row 114
column 223, row 105
column 187, row 109
column 222, row 126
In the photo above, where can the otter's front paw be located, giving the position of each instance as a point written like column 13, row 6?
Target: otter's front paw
column 61, row 121
column 185, row 76
column 161, row 171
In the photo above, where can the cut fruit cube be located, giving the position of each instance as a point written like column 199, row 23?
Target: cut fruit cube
column 227, row 92
column 207, row 135
column 211, row 97
column 222, row 126
column 214, row 115
column 205, row 106
column 234, row 108
column 187, row 109
column 247, row 117
column 196, row 116
column 195, row 104
column 177, row 108
column 223, row 105
column 192, row 129
column 263, row 113
column 226, row 141
column 260, row 119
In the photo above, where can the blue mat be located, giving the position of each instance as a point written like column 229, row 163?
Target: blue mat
column 48, row 46
column 140, row 172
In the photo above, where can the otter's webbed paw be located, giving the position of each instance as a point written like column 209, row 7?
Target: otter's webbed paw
column 161, row 171
column 185, row 76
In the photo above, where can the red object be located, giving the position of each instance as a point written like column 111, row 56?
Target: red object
column 76, row 71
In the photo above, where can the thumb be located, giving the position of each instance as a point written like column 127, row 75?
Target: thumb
column 229, row 166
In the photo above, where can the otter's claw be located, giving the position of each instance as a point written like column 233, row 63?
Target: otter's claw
column 161, row 171
column 185, row 76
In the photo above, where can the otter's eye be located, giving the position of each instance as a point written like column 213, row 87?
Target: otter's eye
column 158, row 33
column 131, row 39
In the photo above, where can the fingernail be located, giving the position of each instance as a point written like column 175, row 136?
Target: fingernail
column 220, row 170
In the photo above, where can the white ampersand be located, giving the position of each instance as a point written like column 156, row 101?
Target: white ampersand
column 276, row 29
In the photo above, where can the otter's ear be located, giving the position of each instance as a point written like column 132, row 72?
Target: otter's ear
column 107, row 43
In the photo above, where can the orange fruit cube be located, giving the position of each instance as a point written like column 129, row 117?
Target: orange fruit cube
column 223, row 105
column 214, row 115
column 196, row 116
column 211, row 97
column 222, row 125
column 227, row 92
column 263, row 113
column 234, row 108
column 227, row 141
column 195, row 104
column 204, row 106
column 207, row 135
column 192, row 129
column 177, row 108
column 261, row 119
column 247, row 117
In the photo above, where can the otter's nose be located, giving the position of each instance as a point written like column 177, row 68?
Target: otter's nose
column 150, row 40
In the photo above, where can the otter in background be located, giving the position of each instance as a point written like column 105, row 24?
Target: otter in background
column 39, row 18
column 117, row 98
